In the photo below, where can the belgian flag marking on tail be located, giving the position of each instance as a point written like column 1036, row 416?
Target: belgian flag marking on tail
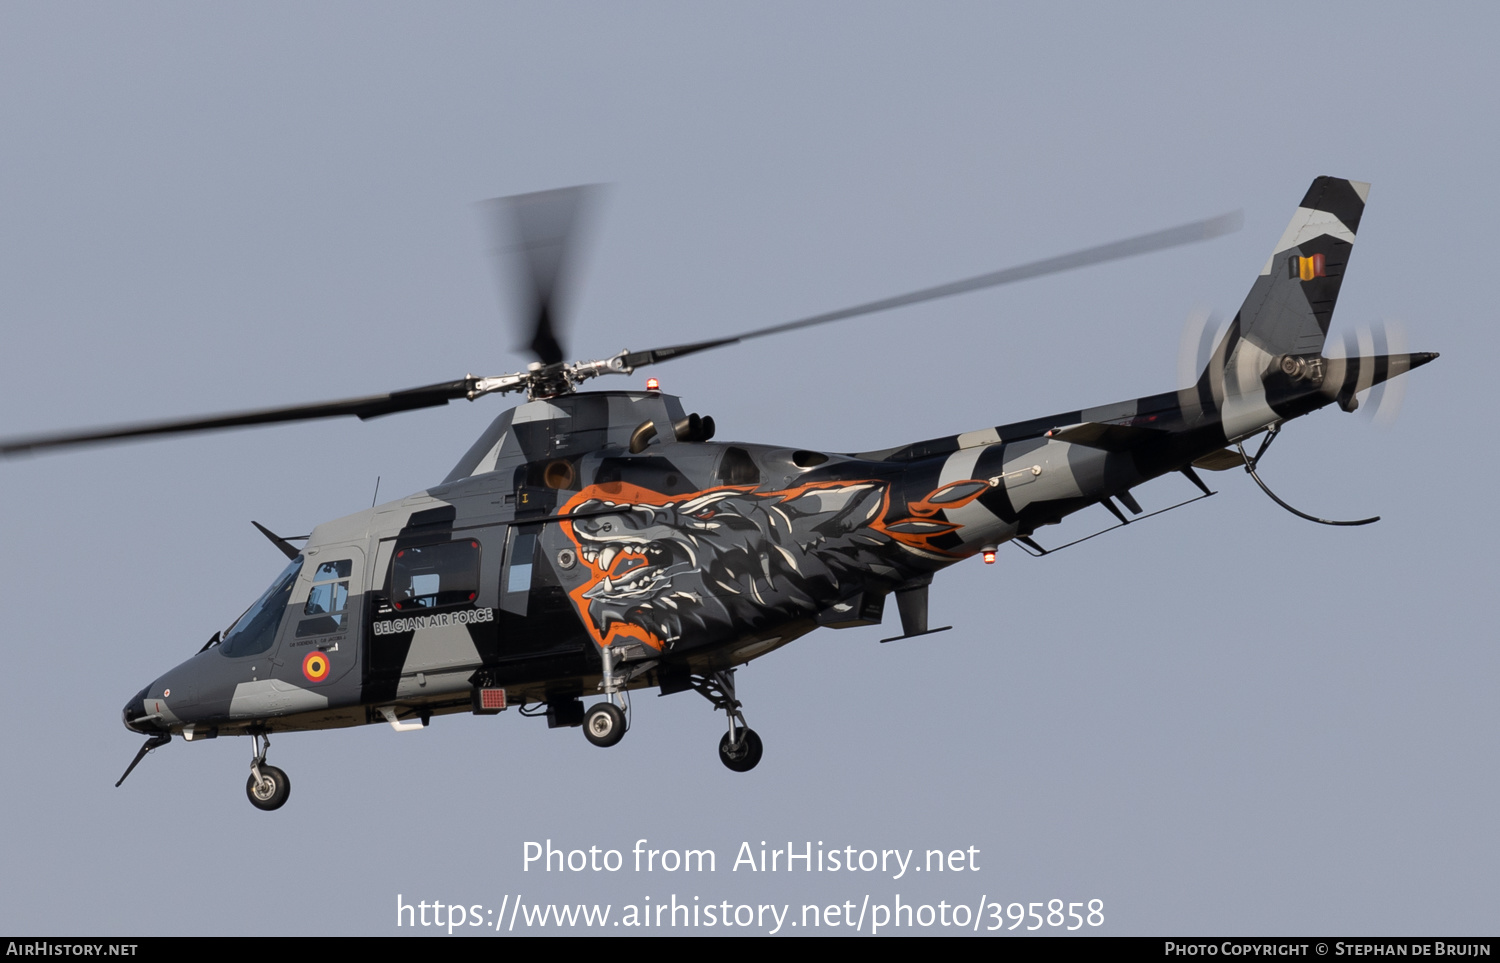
column 1305, row 268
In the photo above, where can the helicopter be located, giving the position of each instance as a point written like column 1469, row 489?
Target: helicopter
column 592, row 543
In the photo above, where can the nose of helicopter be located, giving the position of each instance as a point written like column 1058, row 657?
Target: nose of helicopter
column 135, row 715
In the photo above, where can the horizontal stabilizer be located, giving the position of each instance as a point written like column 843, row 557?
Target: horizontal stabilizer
column 1221, row 460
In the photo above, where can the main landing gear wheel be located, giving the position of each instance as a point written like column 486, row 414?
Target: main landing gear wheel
column 270, row 790
column 268, row 786
column 740, row 749
column 741, row 756
column 604, row 725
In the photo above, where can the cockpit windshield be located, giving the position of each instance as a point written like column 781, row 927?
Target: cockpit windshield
column 253, row 632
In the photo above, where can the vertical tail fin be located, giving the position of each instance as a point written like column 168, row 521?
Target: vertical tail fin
column 1290, row 305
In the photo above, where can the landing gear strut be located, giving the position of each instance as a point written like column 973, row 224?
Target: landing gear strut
column 268, row 786
column 604, row 724
column 740, row 748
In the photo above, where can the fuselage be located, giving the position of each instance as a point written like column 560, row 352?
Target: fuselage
column 600, row 542
column 551, row 541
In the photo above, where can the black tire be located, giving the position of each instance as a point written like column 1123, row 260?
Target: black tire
column 272, row 793
column 745, row 756
column 604, row 725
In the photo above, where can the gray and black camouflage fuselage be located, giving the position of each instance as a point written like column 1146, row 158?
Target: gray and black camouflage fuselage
column 567, row 532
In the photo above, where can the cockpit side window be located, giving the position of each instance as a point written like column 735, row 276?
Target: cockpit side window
column 327, row 600
column 431, row 576
column 253, row 632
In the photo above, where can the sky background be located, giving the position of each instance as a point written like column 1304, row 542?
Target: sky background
column 1224, row 721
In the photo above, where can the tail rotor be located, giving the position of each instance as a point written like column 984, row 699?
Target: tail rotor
column 1195, row 343
column 1381, row 401
column 1372, row 357
column 1201, row 332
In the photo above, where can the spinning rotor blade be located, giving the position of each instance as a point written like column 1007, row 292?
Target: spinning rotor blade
column 540, row 230
column 1130, row 247
column 1372, row 359
column 1200, row 334
column 1365, row 367
column 371, row 406
column 1383, row 401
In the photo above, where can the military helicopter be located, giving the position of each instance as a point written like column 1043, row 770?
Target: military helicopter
column 593, row 543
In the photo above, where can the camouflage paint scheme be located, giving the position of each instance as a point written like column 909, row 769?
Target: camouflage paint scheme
column 693, row 556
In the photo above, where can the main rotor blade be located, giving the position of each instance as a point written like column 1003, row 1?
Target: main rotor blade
column 540, row 230
column 371, row 406
column 1130, row 247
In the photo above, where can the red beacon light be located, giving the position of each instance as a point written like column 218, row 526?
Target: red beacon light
column 653, row 385
column 989, row 554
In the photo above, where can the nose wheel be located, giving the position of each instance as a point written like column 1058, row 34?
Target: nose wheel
column 268, row 787
column 604, row 725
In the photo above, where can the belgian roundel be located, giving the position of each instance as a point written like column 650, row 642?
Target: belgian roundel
column 315, row 666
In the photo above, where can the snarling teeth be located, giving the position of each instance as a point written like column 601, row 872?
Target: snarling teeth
column 603, row 558
column 639, row 582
